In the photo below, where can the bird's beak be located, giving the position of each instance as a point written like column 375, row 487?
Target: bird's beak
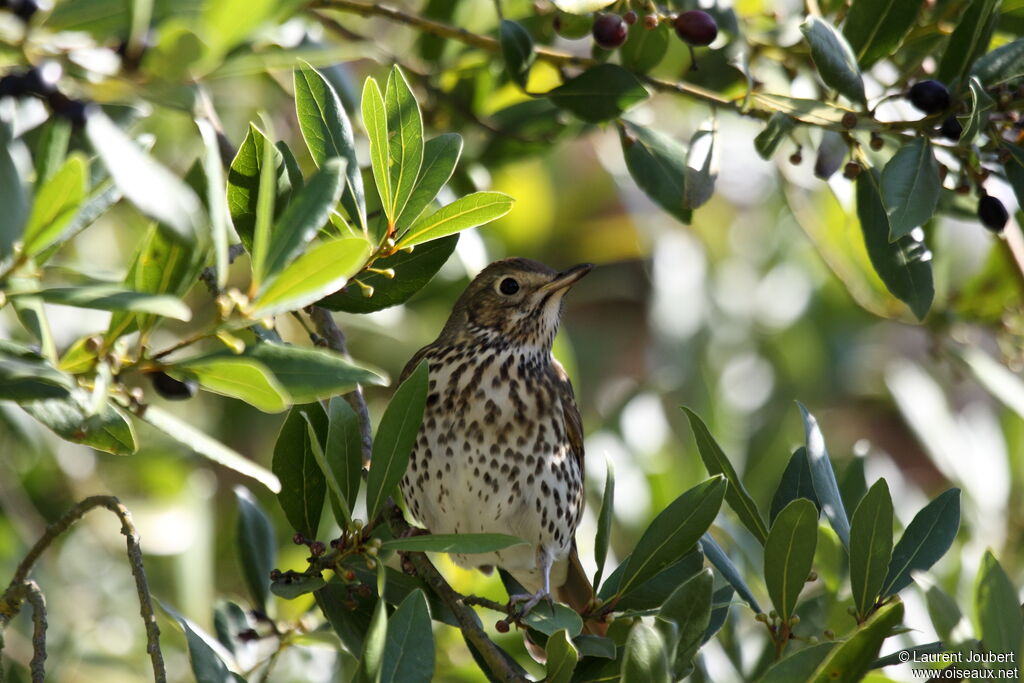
column 568, row 278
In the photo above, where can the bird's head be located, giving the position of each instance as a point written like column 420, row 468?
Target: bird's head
column 516, row 301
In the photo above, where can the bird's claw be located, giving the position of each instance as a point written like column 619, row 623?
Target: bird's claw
column 529, row 601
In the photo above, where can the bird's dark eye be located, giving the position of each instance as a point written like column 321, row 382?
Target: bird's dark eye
column 508, row 286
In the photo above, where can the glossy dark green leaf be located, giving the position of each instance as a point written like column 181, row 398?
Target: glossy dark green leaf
column 998, row 613
column 327, row 131
column 244, row 183
column 646, row 658
column 292, row 586
column 980, row 103
column 836, row 63
column 1015, row 170
column 303, row 486
column 235, row 376
column 604, row 521
column 910, row 187
column 469, row 211
column 405, row 137
column 344, row 450
column 517, row 50
column 1005, row 63
column 340, row 505
column 208, row 447
column 645, row 48
column 720, row 561
column 229, row 620
column 926, row 539
column 721, row 601
column 716, row 462
column 113, row 298
column 651, row 593
column 395, row 437
column 775, row 132
column 309, row 374
column 914, row 653
column 595, row 646
column 257, row 548
column 551, row 617
column 657, row 164
column 562, row 658
column 870, row 546
column 789, row 553
column 26, row 377
column 852, row 483
column 371, row 664
column 851, row 660
column 903, row 265
column 323, row 268
column 107, row 430
column 204, row 652
column 689, row 607
column 795, row 483
column 824, row 478
column 454, row 543
column 969, row 40
column 413, row 270
column 153, row 189
column 799, row 666
column 875, row 28
column 674, row 532
column 600, row 93
column 409, row 646
column 56, row 204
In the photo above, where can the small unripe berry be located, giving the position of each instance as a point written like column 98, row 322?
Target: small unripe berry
column 651, row 22
column 796, row 158
column 849, row 120
column 349, row 575
column 876, row 142
column 992, row 213
column 629, row 17
column 929, row 96
column 609, row 31
column 951, row 129
column 851, row 170
column 317, row 548
column 696, row 27
column 299, row 539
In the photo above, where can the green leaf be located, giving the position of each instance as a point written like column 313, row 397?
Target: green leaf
column 969, row 40
column 303, row 486
column 236, row 377
column 113, row 298
column 689, row 607
column 51, row 149
column 291, row 586
column 600, row 93
column 14, row 196
column 371, row 664
column 716, row 462
column 25, row 376
column 594, row 646
column 550, row 618
column 454, row 543
column 977, row 119
column 409, row 647
column 646, row 658
column 834, row 59
column 658, row 166
column 204, row 445
column 903, row 265
column 674, row 532
column 998, row 613
column 701, row 168
column 307, row 374
column 254, row 539
column 721, row 600
column 413, row 270
column 875, row 28
column 56, row 204
column 344, row 448
column 562, row 658
column 153, row 189
column 465, row 212
column 943, row 611
column 644, row 48
column 604, row 521
column 910, row 187
column 517, row 50
column 1015, row 170
column 103, row 196
column 405, row 134
column 328, row 133
column 1004, row 64
column 204, row 652
column 107, row 430
column 775, row 131
column 795, row 483
column 651, row 593
column 720, row 561
column 395, row 437
column 926, row 539
column 323, row 268
column 789, row 553
column 340, row 505
column 216, row 200
column 870, row 546
column 852, row 659
column 824, row 478
column 375, row 121
column 244, row 183
column 440, row 156
column 915, row 653
column 799, row 666
column 226, row 23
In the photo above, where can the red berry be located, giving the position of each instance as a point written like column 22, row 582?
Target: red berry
column 298, row 539
column 851, row 170
column 629, row 17
column 931, row 97
column 696, row 27
column 609, row 31
column 501, row 626
column 992, row 213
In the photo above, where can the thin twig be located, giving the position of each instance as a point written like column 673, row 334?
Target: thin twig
column 10, row 602
column 477, row 601
column 34, row 597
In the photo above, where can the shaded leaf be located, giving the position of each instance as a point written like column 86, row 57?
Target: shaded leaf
column 910, row 187
column 454, row 543
column 517, row 50
column 291, row 586
column 926, row 539
column 600, row 93
column 720, row 561
column 344, row 448
column 836, row 62
column 969, row 40
column 604, row 521
column 775, row 131
column 340, row 505
column 112, row 298
column 303, row 486
column 1005, row 63
column 254, row 539
column 799, row 666
column 652, row 593
column 205, row 653
column 371, row 664
column 551, row 617
column 14, row 196
column 870, row 546
column 851, row 660
column 323, row 268
column 216, row 200
column 69, row 418
column 465, row 212
column 824, row 478
column 789, row 554
column 943, row 611
column 562, row 658
column 998, row 613
column 875, row 28
column 644, row 48
column 915, row 653
column 795, row 483
column 244, row 182
column 657, row 164
column 645, row 659
column 309, row 374
column 26, row 376
column 689, row 607
column 409, row 646
column 701, row 168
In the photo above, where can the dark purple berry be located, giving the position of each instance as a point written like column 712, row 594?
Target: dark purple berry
column 992, row 213
column 172, row 389
column 629, row 17
column 951, row 129
column 501, row 626
column 931, row 97
column 696, row 27
column 23, row 9
column 42, row 80
column 13, row 85
column 298, row 539
column 609, row 31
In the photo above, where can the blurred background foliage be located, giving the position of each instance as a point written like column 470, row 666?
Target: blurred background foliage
column 764, row 299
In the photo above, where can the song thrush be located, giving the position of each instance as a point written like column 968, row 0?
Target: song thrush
column 500, row 449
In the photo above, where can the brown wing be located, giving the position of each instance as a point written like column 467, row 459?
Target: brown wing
column 570, row 413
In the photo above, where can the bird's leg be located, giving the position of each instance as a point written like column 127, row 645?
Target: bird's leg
column 528, row 600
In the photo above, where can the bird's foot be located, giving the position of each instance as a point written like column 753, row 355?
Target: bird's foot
column 521, row 604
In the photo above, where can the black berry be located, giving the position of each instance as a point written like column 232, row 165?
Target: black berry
column 172, row 389
column 75, row 111
column 931, row 97
column 696, row 27
column 23, row 9
column 42, row 80
column 13, row 85
column 992, row 213
column 951, row 129
column 609, row 31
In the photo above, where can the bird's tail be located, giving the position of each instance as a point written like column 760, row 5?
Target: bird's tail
column 579, row 594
